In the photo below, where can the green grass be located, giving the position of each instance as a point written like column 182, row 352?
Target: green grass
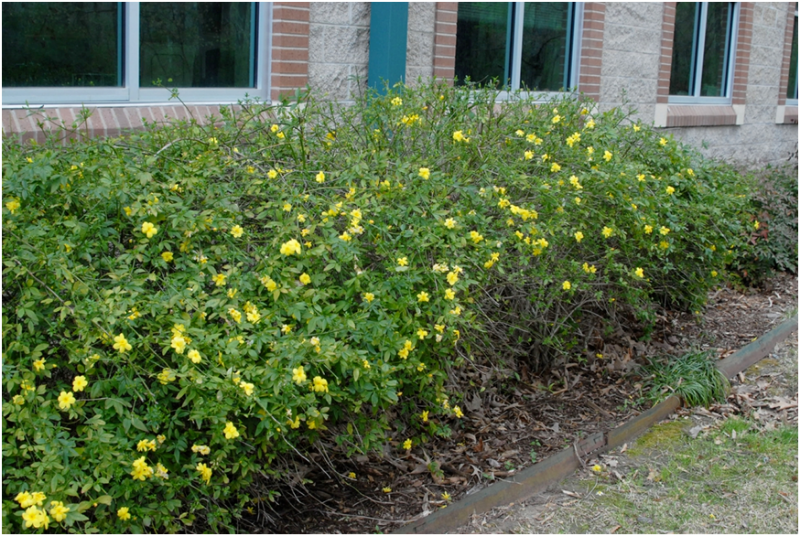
column 693, row 377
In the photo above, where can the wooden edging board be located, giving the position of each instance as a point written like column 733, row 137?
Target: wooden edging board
column 553, row 469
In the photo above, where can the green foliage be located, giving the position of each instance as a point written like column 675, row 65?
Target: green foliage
column 693, row 377
column 306, row 276
column 772, row 234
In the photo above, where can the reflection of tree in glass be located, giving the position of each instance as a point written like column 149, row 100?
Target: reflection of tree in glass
column 196, row 44
column 544, row 45
column 61, row 44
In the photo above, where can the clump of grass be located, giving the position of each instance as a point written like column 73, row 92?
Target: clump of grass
column 693, row 377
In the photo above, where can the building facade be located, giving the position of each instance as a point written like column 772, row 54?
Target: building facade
column 719, row 75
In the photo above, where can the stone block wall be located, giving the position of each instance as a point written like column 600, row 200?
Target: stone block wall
column 421, row 34
column 338, row 48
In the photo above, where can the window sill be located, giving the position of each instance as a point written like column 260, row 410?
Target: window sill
column 699, row 115
column 786, row 114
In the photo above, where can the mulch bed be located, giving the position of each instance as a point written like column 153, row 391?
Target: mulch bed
column 508, row 426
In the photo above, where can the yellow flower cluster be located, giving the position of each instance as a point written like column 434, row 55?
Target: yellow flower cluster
column 406, row 349
column 298, row 375
column 144, row 445
column 575, row 138
column 230, row 431
column 292, row 247
column 141, row 471
column 121, row 344
column 201, row 449
column 269, row 283
column 205, row 472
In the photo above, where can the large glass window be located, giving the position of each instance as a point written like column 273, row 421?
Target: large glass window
column 96, row 52
column 62, row 44
column 527, row 45
column 703, row 48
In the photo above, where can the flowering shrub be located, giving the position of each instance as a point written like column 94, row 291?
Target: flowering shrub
column 186, row 307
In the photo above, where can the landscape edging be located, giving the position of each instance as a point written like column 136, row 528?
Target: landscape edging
column 555, row 468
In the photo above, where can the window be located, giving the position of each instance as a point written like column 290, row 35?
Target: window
column 703, row 51
column 528, row 45
column 791, row 88
column 112, row 52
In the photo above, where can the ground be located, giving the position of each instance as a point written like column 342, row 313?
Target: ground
column 510, row 426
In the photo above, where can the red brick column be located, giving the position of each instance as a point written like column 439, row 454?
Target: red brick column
column 290, row 29
column 665, row 67
column 743, row 45
column 787, row 55
column 594, row 15
column 444, row 40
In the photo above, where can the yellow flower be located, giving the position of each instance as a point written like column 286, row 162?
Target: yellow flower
column 149, row 229
column 555, row 167
column 423, row 297
column 291, row 247
column 287, row 207
column 219, row 280
column 456, row 311
column 402, row 261
column 573, row 180
column 556, row 119
column 272, row 173
column 425, row 173
column 167, row 256
column 589, row 269
column 528, row 155
column 607, row 231
column 368, row 297
column 194, row 356
column 664, row 244
column 247, row 387
column 577, row 200
column 38, row 365
column 320, row 178
column 407, row 444
column 397, row 101
column 230, row 431
column 144, row 445
column 636, row 128
column 450, row 223
column 58, row 511
column 123, row 513
column 596, row 468
column 79, row 383
column 670, row 190
column 458, row 135
column 12, row 205
column 446, row 496
column 298, row 375
column 320, row 385
column 713, row 273
column 274, row 128
column 18, row 400
column 590, row 123
column 458, row 412
column 286, row 329
column 579, row 236
column 639, row 272
column 232, row 292
column 664, row 230
column 345, row 236
column 452, row 278
column 141, row 471
column 205, row 472
column 201, row 449
column 648, row 229
column 178, row 343
column 65, row 400
column 475, row 236
column 607, row 156
column 237, row 231
column 305, row 279
column 662, row 141
column 756, row 225
column 421, row 333
column 566, row 285
column 387, row 489
column 121, row 344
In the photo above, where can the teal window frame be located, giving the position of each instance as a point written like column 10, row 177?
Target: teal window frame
column 133, row 93
column 791, row 86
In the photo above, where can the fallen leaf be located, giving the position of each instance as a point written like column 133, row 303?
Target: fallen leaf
column 570, row 493
column 615, row 529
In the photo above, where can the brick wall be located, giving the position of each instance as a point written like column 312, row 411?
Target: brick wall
column 444, row 48
column 594, row 14
column 290, row 44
